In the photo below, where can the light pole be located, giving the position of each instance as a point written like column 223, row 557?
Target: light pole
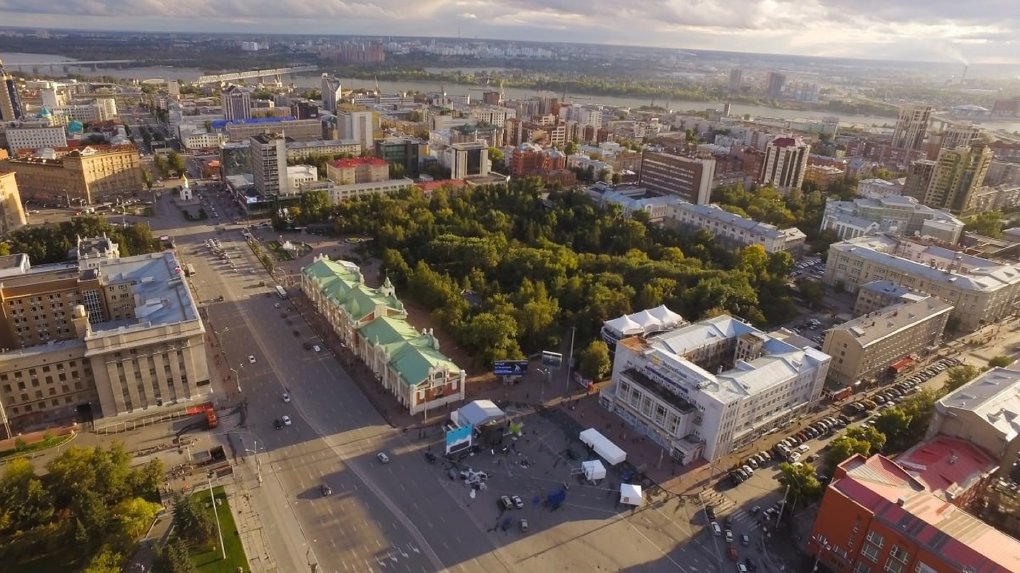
column 541, row 391
column 237, row 378
column 223, row 550
column 570, row 358
column 258, row 464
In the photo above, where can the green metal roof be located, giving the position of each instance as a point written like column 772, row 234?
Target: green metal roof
column 410, row 353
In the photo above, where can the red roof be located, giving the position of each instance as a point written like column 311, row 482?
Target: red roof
column 347, row 163
column 910, row 496
column 784, row 141
column 433, row 185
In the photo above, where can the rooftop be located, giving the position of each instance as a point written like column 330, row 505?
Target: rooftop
column 719, row 214
column 994, row 397
column 934, row 263
column 354, row 162
column 947, row 466
column 875, row 326
column 161, row 295
column 904, row 503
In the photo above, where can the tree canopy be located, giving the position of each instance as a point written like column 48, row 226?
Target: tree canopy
column 90, row 504
column 539, row 261
column 52, row 243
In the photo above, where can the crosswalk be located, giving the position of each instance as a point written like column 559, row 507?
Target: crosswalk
column 717, row 500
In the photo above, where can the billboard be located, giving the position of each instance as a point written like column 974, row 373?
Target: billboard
column 510, row 368
column 458, row 439
column 552, row 359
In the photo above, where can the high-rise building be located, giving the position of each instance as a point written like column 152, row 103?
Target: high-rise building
column 774, row 85
column 467, row 159
column 786, row 161
column 11, row 108
column 405, row 152
column 689, row 178
column 107, row 338
column 918, row 178
column 304, row 110
column 959, row 136
column 269, row 164
column 957, row 174
column 12, row 214
column 357, row 126
column 912, row 127
column 331, row 92
column 236, row 103
column 736, row 80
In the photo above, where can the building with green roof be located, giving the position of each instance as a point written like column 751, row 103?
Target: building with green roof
column 373, row 323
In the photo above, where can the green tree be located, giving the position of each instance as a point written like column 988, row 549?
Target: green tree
column 802, row 481
column 176, row 163
column 812, row 291
column 988, row 223
column 894, row 423
column 958, row 376
column 106, row 561
column 492, row 337
column 875, row 439
column 1000, row 362
column 842, row 448
column 24, row 501
column 192, row 520
column 497, row 160
column 594, row 361
column 173, row 557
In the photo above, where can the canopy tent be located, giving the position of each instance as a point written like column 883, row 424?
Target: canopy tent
column 602, row 446
column 593, row 470
column 645, row 322
column 477, row 413
column 624, row 326
column 631, row 494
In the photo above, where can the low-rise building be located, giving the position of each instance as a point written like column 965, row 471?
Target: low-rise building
column 879, row 188
column 91, row 174
column 373, row 324
column 890, row 214
column 981, row 291
column 877, row 295
column 908, row 515
column 358, row 170
column 713, row 387
column 105, row 337
column 296, row 129
column 734, row 230
column 865, row 347
column 984, row 412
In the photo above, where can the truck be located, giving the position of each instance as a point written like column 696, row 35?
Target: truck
column 281, row 292
column 841, row 394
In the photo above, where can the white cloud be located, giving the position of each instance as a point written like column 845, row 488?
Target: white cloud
column 946, row 30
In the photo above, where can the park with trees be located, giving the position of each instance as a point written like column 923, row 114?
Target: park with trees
column 51, row 243
column 85, row 512
column 541, row 261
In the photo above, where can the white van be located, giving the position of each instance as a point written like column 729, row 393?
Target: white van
column 803, row 448
column 716, row 529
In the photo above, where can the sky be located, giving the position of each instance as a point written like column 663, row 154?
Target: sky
column 974, row 31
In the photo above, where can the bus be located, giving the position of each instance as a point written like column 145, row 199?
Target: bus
column 189, row 270
column 281, row 292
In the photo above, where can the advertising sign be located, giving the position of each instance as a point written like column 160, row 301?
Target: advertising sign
column 510, row 368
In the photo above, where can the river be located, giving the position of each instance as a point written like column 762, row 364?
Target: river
column 62, row 63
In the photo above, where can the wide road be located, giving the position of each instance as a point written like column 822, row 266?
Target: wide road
column 381, row 517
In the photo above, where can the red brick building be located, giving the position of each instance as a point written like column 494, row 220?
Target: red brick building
column 907, row 516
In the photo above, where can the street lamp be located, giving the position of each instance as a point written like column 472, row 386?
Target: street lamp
column 223, row 550
column 541, row 391
column 237, row 378
column 570, row 358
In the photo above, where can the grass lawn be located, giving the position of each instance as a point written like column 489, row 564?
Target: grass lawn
column 278, row 251
column 208, row 559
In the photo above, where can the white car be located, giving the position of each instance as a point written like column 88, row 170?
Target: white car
column 286, row 420
column 251, row 359
column 317, row 348
column 383, row 457
column 286, row 397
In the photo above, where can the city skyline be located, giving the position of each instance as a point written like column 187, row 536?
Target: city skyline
column 982, row 32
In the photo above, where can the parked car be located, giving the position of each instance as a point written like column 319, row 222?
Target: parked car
column 518, row 502
column 325, row 490
column 382, row 457
column 505, row 503
column 524, row 525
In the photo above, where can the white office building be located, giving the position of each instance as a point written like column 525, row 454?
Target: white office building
column 357, row 126
column 704, row 390
column 35, row 138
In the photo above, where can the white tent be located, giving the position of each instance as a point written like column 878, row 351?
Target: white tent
column 593, row 470
column 602, row 446
column 624, row 326
column 631, row 494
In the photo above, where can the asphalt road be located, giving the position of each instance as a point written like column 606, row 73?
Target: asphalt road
column 380, row 516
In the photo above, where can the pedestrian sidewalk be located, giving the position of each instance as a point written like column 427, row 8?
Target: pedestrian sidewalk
column 248, row 520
